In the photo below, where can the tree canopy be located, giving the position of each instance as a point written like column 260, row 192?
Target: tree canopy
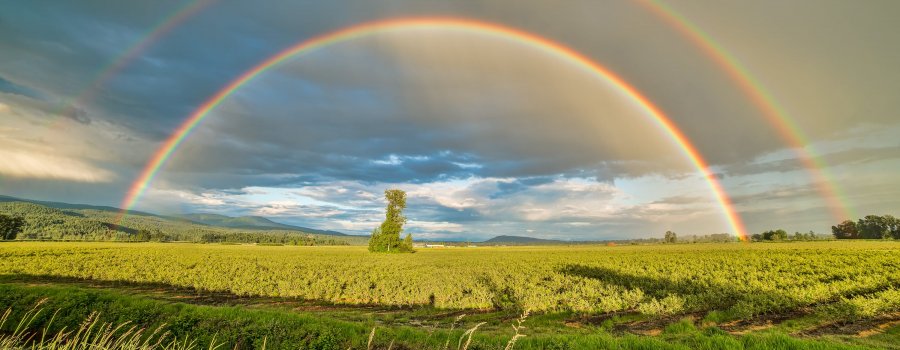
column 671, row 237
column 10, row 226
column 869, row 227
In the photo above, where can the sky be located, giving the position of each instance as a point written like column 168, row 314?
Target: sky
column 487, row 136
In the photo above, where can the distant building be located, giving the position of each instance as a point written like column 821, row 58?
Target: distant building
column 434, row 245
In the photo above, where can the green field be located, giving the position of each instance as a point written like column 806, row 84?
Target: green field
column 839, row 293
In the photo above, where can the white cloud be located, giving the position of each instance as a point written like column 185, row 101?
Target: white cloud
column 428, row 226
column 36, row 142
column 32, row 164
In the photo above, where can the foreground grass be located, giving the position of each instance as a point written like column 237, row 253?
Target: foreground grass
column 91, row 334
column 242, row 328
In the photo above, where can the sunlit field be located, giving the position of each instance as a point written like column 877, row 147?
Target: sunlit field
column 800, row 288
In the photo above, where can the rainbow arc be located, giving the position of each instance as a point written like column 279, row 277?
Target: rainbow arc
column 762, row 98
column 560, row 51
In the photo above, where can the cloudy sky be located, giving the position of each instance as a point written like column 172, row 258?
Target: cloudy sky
column 487, row 136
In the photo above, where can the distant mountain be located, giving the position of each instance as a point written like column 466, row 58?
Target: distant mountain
column 249, row 223
column 522, row 240
column 66, row 221
column 242, row 222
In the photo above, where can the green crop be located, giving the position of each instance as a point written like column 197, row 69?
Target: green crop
column 739, row 280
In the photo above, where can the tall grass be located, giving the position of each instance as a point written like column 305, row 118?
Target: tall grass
column 91, row 334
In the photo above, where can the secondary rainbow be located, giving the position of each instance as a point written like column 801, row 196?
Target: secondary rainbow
column 478, row 27
column 157, row 32
column 776, row 115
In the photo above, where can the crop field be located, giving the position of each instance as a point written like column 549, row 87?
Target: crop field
column 802, row 288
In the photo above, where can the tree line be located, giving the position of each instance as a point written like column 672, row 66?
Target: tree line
column 672, row 237
column 869, row 227
column 782, row 235
column 771, row 235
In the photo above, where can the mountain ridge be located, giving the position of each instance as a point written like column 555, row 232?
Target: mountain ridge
column 248, row 222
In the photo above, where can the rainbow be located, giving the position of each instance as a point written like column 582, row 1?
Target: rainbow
column 774, row 113
column 558, row 50
column 163, row 27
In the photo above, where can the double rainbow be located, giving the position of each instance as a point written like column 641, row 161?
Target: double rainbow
column 492, row 30
column 774, row 113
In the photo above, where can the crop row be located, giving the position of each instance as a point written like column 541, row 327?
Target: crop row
column 744, row 279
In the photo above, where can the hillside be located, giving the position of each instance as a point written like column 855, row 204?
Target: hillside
column 63, row 221
column 60, row 205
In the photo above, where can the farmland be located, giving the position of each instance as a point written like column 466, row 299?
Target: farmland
column 807, row 288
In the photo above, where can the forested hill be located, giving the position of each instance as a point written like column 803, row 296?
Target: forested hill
column 61, row 221
column 249, row 222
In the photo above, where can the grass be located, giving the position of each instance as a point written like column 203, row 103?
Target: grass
column 90, row 334
column 179, row 325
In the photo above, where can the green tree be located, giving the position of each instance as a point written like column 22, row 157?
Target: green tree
column 671, row 237
column 845, row 230
column 386, row 238
column 775, row 235
column 407, row 243
column 893, row 225
column 872, row 227
column 142, row 235
column 10, row 226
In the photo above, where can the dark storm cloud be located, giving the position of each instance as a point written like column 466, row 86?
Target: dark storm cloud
column 186, row 66
column 278, row 124
column 175, row 74
column 60, row 49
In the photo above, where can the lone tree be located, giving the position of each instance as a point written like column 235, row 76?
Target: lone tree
column 386, row 238
column 10, row 227
column 671, row 237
